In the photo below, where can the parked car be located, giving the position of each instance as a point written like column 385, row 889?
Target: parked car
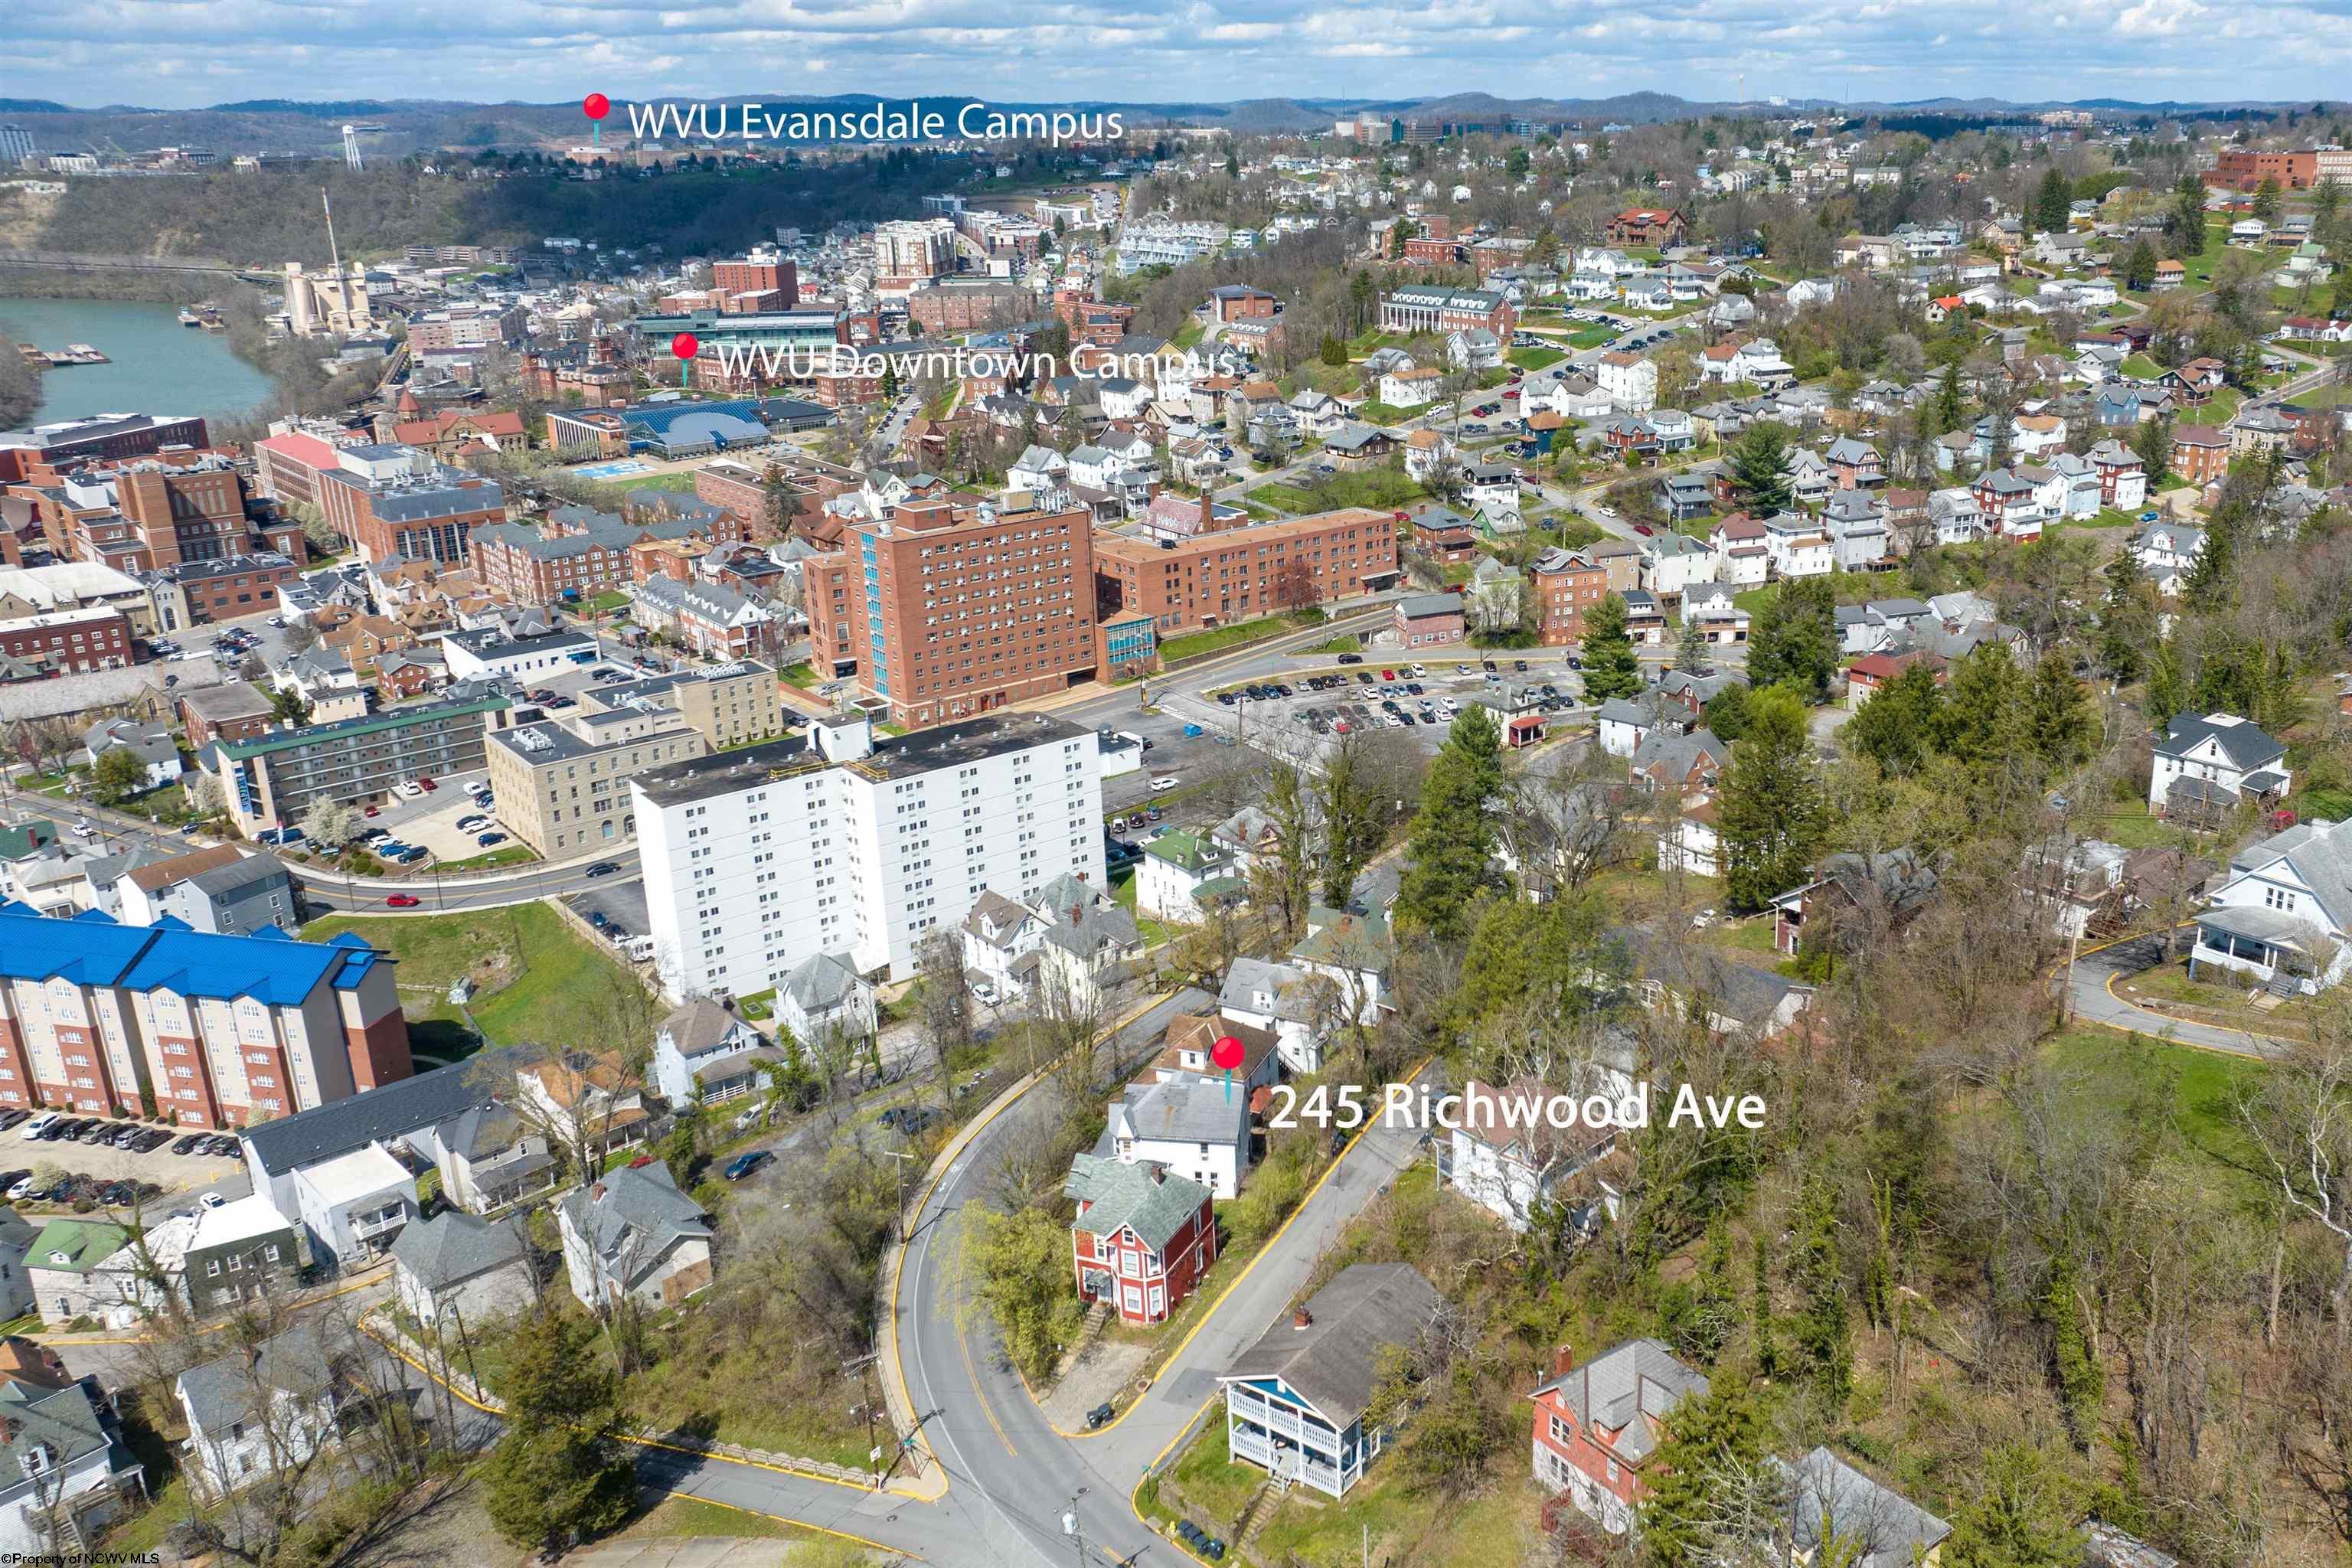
column 20, row 1189
column 10, row 1118
column 212, row 1201
column 472, row 823
column 1351, row 659
column 742, row 1166
column 1165, row 780
column 486, row 840
column 190, row 1144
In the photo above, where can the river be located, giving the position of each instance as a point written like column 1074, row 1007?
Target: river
column 160, row 366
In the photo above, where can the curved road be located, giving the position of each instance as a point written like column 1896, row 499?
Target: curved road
column 1010, row 1474
column 2090, row 982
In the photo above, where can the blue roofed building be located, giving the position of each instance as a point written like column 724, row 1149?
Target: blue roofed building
column 108, row 1019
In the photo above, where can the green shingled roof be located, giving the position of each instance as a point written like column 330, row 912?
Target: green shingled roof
column 75, row 1246
column 1124, row 1196
column 1188, row 850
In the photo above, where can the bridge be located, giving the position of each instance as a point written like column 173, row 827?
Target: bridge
column 65, row 261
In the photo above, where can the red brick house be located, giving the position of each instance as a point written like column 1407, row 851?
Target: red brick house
column 1568, row 585
column 64, row 642
column 2200, row 453
column 1444, row 535
column 1657, row 226
column 1236, row 301
column 1428, row 620
column 1142, row 1239
column 1599, row 1425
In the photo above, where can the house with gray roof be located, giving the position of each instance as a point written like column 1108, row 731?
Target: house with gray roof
column 462, row 1267
column 824, row 997
column 1198, row 1128
column 634, row 1234
column 492, row 1158
column 1872, row 1526
column 66, row 1474
column 2280, row 913
column 1890, row 888
column 1598, row 1427
column 260, row 1410
column 2204, row 765
column 1295, row 1400
column 152, row 743
column 1727, row 996
column 1281, row 997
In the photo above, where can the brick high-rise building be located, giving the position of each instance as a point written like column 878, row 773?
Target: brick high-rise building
column 765, row 270
column 390, row 502
column 1236, row 570
column 950, row 610
column 2245, row 169
column 913, row 251
column 1567, row 586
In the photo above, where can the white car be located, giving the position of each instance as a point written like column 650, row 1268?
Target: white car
column 472, row 823
column 213, row 1201
column 39, row 1124
column 408, row 789
column 985, row 993
column 1165, row 780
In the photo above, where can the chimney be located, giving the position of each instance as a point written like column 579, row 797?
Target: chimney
column 1159, row 1175
column 1563, row 1361
column 1208, row 508
column 1301, row 1319
column 596, row 1192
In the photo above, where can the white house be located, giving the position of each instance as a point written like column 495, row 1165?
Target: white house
column 354, row 1205
column 88, row 1269
column 824, row 997
column 1797, row 546
column 1742, row 558
column 1510, row 1155
column 1177, row 867
column 253, row 1412
column 2280, row 915
column 1408, row 389
column 68, row 1476
column 1694, row 843
column 1198, row 1127
column 703, row 1055
column 472, row 1270
column 2168, row 553
column 1629, row 381
column 1673, row 564
column 153, row 744
column 634, row 1234
column 1275, row 997
column 2215, row 761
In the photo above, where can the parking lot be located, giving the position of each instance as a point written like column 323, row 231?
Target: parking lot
column 73, row 1167
column 1420, row 695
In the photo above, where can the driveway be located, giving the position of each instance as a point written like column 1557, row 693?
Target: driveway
column 2091, row 985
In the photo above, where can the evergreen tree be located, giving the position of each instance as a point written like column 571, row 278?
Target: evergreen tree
column 2050, row 202
column 1824, row 1326
column 1772, row 815
column 1794, row 641
column 1982, row 722
column 2139, row 267
column 2125, row 629
column 2166, row 691
column 1612, row 668
column 1726, row 712
column 555, row 1477
column 2151, row 443
column 1898, row 727
column 2266, row 200
column 2021, row 1514
column 1710, row 1440
column 2184, row 225
column 1951, row 401
column 1759, row 460
column 1453, row 840
column 2058, row 713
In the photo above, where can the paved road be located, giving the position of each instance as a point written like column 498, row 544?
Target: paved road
column 2090, row 980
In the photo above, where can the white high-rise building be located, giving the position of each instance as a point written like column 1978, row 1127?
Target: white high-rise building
column 756, row 861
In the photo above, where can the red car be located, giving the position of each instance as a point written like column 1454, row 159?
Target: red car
column 374, row 810
column 428, row 786
column 403, row 900
column 1388, row 674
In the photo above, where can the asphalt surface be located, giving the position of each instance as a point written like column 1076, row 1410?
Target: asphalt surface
column 2089, row 981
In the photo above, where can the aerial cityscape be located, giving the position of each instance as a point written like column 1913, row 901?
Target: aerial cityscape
column 790, row 788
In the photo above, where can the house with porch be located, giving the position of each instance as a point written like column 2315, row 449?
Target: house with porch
column 2279, row 916
column 1295, row 1400
column 632, row 1234
column 2203, row 765
column 1894, row 886
column 1142, row 1238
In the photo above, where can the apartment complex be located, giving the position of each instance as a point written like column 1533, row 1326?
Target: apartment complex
column 468, row 327
column 100, row 437
column 1233, row 569
column 759, row 860
column 912, row 251
column 156, row 513
column 765, row 270
column 389, row 502
column 272, row 778
column 217, row 1030
column 955, row 609
column 1567, row 586
column 64, row 642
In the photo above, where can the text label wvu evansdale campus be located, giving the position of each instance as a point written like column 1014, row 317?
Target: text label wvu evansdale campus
column 971, row 122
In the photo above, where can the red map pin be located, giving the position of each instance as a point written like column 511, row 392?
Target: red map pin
column 686, row 345
column 595, row 106
column 1227, row 1053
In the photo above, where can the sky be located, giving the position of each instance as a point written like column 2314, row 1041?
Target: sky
column 189, row 53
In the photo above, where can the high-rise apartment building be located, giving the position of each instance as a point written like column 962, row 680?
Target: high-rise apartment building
column 759, row 860
column 390, row 502
column 1233, row 569
column 273, row 777
column 954, row 609
column 912, row 251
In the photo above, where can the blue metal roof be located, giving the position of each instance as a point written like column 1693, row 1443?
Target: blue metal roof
column 278, row 969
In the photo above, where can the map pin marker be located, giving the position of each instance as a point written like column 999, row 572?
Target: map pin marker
column 1227, row 1054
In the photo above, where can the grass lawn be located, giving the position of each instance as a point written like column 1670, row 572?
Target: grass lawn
column 2197, row 1089
column 1346, row 642
column 2326, row 805
column 1122, row 892
column 536, row 978
column 2106, row 517
column 802, row 675
column 1374, row 411
column 675, row 1518
column 1288, row 498
column 1534, row 359
column 1193, row 645
column 1753, row 936
column 504, row 855
column 681, row 481
column 605, row 603
column 1187, row 335
column 1382, row 489
column 2133, row 828
column 760, row 1004
column 2139, row 367
column 1591, row 337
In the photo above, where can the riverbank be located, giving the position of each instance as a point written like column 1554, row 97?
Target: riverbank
column 298, row 383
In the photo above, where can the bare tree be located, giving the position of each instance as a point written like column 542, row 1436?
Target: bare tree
column 2301, row 1124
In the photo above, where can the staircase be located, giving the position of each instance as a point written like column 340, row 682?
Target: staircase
column 1255, row 1515
column 1088, row 1332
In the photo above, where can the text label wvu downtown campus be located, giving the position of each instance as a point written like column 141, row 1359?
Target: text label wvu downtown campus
column 972, row 123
